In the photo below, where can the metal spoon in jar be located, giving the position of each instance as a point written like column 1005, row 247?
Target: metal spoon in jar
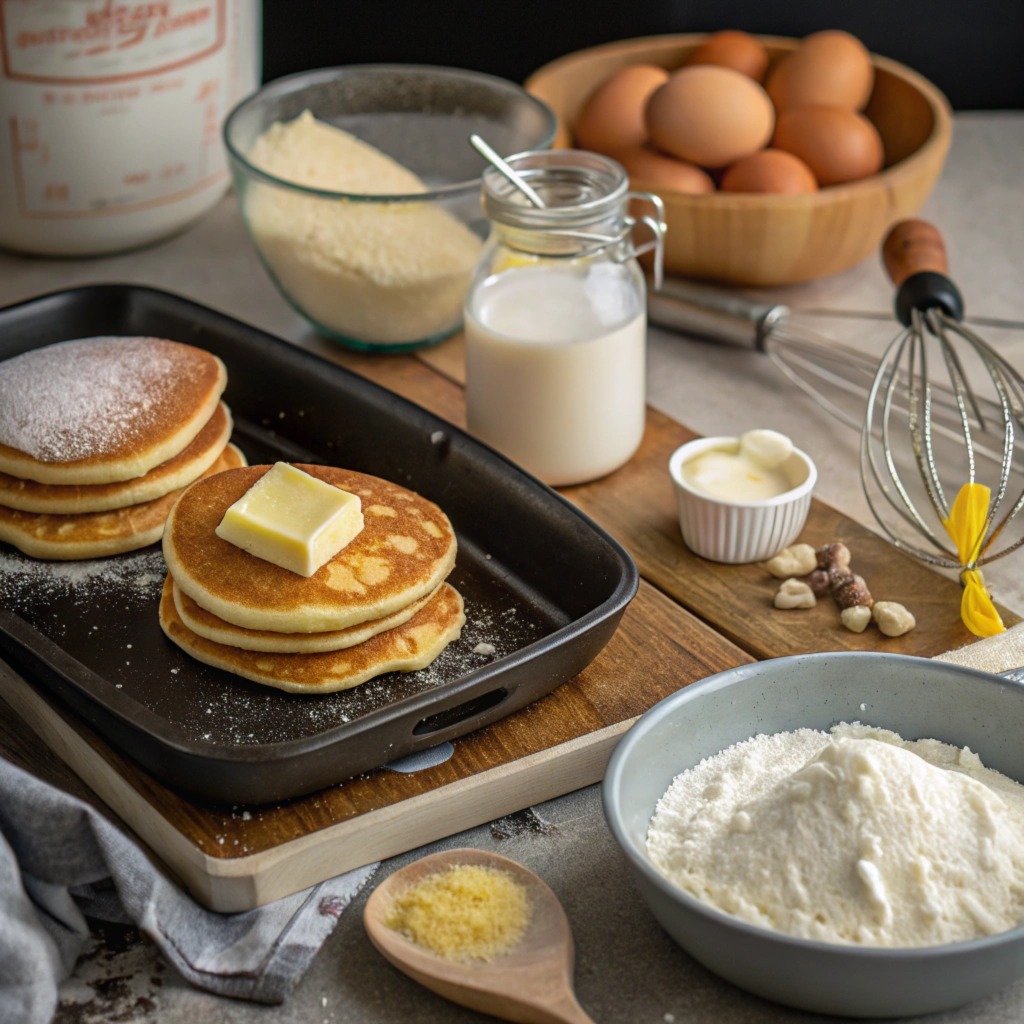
column 501, row 165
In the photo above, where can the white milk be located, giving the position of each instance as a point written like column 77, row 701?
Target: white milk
column 555, row 368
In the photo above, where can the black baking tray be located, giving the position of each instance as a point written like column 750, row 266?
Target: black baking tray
column 543, row 584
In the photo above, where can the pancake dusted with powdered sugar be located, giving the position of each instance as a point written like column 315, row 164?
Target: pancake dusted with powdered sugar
column 101, row 410
column 72, row 499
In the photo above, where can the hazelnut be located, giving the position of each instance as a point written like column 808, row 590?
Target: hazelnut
column 833, row 556
column 795, row 594
column 838, row 578
column 853, row 593
column 892, row 618
column 856, row 617
column 819, row 582
column 797, row 560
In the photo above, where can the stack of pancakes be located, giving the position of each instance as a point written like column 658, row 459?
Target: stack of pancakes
column 98, row 437
column 381, row 604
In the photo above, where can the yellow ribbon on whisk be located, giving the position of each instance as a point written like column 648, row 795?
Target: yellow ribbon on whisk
column 965, row 526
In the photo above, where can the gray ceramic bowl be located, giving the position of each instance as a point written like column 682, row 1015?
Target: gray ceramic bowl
column 915, row 697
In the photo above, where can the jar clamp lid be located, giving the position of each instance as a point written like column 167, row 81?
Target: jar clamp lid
column 585, row 197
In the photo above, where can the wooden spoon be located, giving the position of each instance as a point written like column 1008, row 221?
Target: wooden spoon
column 531, row 983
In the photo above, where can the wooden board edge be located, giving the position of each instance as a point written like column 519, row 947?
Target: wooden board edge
column 243, row 883
column 435, row 815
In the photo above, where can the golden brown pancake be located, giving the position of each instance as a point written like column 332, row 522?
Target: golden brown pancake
column 208, row 626
column 172, row 475
column 99, row 410
column 405, row 550
column 98, row 534
column 407, row 648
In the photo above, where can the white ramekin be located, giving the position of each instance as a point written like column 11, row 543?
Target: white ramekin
column 741, row 531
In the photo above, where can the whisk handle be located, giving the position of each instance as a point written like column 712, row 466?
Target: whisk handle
column 713, row 313
column 913, row 246
column 915, row 259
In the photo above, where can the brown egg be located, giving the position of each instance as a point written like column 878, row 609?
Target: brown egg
column 709, row 115
column 737, row 50
column 837, row 145
column 771, row 170
column 613, row 117
column 662, row 171
column 828, row 69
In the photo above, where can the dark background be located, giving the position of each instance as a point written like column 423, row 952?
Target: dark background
column 971, row 49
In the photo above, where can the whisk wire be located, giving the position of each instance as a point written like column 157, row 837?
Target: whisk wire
column 905, row 508
column 921, row 426
column 904, row 369
column 1005, row 386
column 996, row 374
column 938, row 322
column 809, row 390
column 1009, row 374
column 807, row 369
column 960, row 390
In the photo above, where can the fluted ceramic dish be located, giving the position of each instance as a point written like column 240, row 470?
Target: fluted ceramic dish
column 917, row 698
column 741, row 531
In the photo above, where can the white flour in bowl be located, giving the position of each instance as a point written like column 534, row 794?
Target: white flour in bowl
column 377, row 272
column 855, row 837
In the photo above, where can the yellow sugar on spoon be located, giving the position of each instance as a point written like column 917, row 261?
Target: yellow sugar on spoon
column 467, row 912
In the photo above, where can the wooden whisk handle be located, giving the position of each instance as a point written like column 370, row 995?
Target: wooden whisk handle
column 911, row 247
column 915, row 257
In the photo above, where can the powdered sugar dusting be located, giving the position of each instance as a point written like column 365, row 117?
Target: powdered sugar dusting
column 28, row 582
column 86, row 398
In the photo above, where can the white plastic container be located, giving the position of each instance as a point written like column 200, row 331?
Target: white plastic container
column 737, row 532
column 555, row 319
column 110, row 117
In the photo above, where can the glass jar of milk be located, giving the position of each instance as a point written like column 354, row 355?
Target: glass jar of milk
column 555, row 318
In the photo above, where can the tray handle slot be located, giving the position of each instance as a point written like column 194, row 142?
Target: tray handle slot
column 453, row 716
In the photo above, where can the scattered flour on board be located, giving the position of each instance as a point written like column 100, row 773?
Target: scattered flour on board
column 85, row 398
column 855, row 837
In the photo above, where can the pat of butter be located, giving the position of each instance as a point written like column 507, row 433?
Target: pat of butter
column 749, row 471
column 293, row 520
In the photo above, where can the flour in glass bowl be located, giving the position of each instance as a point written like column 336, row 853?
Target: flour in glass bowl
column 856, row 837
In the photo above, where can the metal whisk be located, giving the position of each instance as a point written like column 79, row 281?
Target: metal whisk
column 931, row 309
column 836, row 376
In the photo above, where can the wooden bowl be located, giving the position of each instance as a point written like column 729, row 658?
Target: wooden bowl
column 775, row 239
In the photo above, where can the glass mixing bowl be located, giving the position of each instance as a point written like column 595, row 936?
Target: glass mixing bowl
column 382, row 272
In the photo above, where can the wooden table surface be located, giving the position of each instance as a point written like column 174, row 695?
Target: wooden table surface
column 214, row 264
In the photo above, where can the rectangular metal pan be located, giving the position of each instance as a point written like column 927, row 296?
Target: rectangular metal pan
column 542, row 583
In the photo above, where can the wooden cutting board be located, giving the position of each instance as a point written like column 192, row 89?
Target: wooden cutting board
column 637, row 505
column 691, row 618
